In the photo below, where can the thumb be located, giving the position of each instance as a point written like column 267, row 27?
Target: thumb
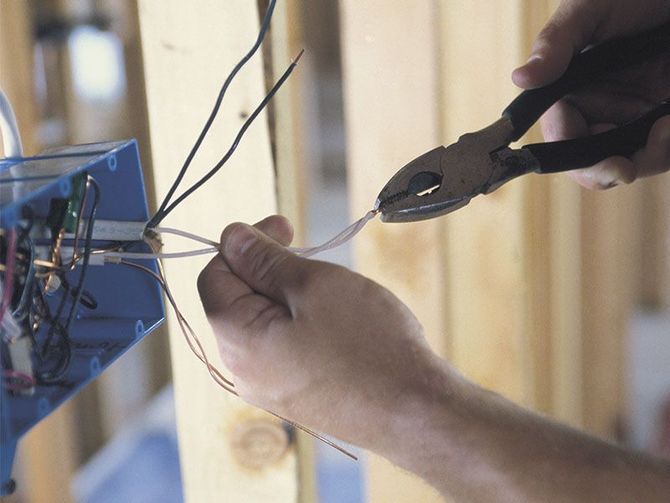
column 263, row 264
column 568, row 32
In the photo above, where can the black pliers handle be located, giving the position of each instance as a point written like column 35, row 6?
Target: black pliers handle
column 447, row 178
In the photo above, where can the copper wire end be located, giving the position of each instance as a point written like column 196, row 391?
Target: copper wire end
column 297, row 58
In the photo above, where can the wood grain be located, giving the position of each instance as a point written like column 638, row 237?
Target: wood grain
column 187, row 54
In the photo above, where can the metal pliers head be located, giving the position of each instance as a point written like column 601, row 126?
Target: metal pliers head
column 447, row 178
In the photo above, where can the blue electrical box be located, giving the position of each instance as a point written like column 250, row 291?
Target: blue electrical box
column 123, row 303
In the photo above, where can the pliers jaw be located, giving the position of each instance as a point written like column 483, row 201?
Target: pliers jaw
column 420, row 190
column 447, row 178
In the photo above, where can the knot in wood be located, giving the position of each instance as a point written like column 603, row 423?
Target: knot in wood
column 259, row 443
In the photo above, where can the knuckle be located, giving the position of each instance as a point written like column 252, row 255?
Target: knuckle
column 264, row 318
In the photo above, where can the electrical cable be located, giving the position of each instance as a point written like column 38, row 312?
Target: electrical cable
column 341, row 238
column 213, row 371
column 87, row 250
column 10, row 262
column 11, row 139
column 189, row 334
column 338, row 240
column 265, row 24
column 39, row 311
column 114, row 256
column 56, row 374
column 166, row 211
column 185, row 234
column 77, row 225
column 63, row 344
column 23, row 306
column 26, row 253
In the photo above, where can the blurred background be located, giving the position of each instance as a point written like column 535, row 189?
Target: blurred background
column 555, row 297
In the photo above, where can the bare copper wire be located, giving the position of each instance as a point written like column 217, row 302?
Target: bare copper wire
column 202, row 355
column 75, row 246
column 189, row 334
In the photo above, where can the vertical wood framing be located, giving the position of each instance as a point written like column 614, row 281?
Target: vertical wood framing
column 534, row 279
column 609, row 262
column 287, row 40
column 16, row 70
column 565, row 286
column 187, row 54
column 47, row 456
column 286, row 36
column 655, row 275
column 486, row 248
column 147, row 365
column 392, row 115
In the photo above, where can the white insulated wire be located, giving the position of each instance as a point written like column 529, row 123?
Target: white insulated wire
column 11, row 139
column 115, row 256
column 9, row 329
column 214, row 247
column 338, row 240
column 189, row 235
column 334, row 242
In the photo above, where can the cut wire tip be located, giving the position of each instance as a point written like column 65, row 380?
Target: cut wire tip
column 297, row 58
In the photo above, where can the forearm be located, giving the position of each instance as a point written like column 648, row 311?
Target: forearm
column 355, row 365
column 474, row 445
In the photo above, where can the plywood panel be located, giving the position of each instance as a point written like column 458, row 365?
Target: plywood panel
column 187, row 54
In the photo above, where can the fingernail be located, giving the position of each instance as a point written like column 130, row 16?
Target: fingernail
column 239, row 241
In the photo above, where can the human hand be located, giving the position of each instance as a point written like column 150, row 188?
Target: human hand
column 315, row 342
column 612, row 101
column 329, row 349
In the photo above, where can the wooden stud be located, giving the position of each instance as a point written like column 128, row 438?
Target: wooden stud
column 392, row 115
column 656, row 243
column 518, row 264
column 148, row 364
column 289, row 160
column 608, row 296
column 16, row 75
column 47, row 455
column 490, row 250
column 187, row 54
column 287, row 42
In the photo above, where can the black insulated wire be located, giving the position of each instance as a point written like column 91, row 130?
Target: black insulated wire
column 234, row 145
column 64, row 345
column 160, row 214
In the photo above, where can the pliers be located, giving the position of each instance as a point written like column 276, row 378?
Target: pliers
column 447, row 178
